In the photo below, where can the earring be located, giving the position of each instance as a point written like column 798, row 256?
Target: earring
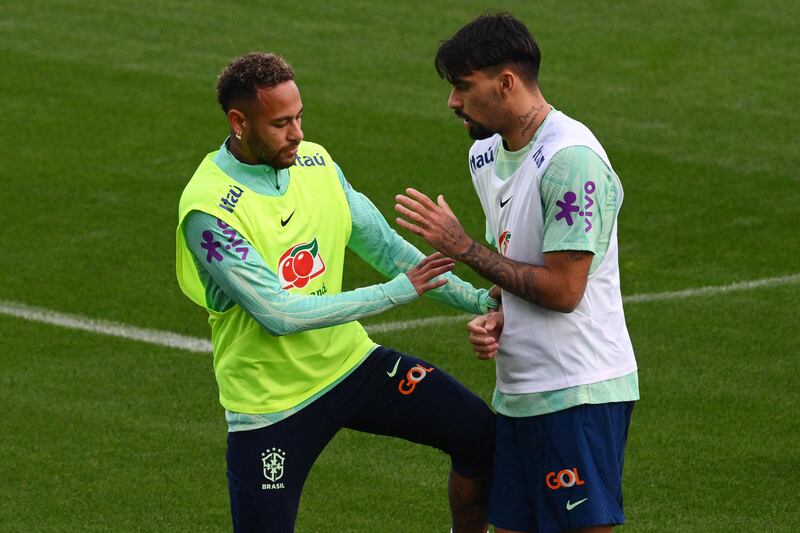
column 239, row 135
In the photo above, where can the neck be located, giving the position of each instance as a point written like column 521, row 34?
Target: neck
column 240, row 151
column 526, row 118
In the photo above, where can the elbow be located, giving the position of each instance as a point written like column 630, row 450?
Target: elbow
column 276, row 332
column 565, row 307
column 279, row 329
column 565, row 302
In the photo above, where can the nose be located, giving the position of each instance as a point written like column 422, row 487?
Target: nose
column 295, row 131
column 454, row 101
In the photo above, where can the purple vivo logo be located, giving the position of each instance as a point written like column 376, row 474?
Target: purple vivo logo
column 234, row 241
column 210, row 245
column 568, row 206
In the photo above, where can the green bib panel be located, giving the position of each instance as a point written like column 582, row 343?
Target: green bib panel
column 302, row 237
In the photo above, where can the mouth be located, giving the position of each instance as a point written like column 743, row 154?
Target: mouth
column 465, row 118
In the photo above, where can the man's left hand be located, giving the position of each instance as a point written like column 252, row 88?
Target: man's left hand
column 434, row 222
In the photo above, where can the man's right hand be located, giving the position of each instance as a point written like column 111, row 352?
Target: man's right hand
column 421, row 276
column 484, row 334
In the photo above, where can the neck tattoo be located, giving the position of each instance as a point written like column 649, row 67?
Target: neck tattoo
column 529, row 119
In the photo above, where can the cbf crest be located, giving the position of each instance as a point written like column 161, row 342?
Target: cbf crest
column 272, row 461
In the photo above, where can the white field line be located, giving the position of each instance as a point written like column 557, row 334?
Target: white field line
column 194, row 344
column 714, row 289
column 635, row 298
column 104, row 327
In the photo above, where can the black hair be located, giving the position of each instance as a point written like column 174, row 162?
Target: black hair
column 486, row 42
column 242, row 78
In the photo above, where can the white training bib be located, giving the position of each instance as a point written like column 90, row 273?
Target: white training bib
column 544, row 350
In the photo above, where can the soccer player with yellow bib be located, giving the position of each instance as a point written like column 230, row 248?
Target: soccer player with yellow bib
column 261, row 237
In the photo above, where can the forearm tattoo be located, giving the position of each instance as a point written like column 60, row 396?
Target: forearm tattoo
column 515, row 277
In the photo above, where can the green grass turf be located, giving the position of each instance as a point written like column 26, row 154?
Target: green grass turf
column 108, row 107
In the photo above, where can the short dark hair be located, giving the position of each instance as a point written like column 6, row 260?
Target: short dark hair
column 489, row 41
column 242, row 78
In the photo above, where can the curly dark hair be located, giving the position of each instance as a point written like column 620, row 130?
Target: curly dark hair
column 489, row 42
column 246, row 74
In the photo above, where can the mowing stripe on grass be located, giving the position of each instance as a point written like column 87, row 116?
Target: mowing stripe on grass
column 194, row 344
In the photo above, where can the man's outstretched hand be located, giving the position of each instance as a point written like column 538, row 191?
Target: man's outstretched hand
column 434, row 222
column 422, row 276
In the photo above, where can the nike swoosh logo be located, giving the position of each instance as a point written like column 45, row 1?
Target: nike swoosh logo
column 284, row 222
column 503, row 204
column 394, row 370
column 571, row 506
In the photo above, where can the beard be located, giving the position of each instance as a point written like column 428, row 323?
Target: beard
column 476, row 130
column 276, row 158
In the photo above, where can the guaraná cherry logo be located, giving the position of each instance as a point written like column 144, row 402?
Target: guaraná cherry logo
column 299, row 264
column 502, row 242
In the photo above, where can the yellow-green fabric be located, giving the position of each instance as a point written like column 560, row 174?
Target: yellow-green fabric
column 257, row 372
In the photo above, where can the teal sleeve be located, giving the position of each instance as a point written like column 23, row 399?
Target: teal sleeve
column 387, row 252
column 580, row 202
column 234, row 273
column 490, row 235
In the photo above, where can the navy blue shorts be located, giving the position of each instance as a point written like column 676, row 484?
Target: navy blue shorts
column 561, row 470
column 390, row 393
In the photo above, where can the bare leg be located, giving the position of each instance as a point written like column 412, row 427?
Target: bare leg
column 469, row 499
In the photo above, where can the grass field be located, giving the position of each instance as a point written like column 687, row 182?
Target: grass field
column 109, row 106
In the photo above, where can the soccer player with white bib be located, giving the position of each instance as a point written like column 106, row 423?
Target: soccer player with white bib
column 566, row 372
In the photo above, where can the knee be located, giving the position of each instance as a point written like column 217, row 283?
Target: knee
column 473, row 459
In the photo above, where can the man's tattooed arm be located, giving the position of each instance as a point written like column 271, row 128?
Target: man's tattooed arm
column 513, row 276
column 558, row 284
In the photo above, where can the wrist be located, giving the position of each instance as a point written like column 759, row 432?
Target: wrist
column 400, row 290
column 466, row 251
column 496, row 292
column 489, row 304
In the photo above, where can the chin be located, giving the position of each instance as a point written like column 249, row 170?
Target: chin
column 480, row 133
column 284, row 163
